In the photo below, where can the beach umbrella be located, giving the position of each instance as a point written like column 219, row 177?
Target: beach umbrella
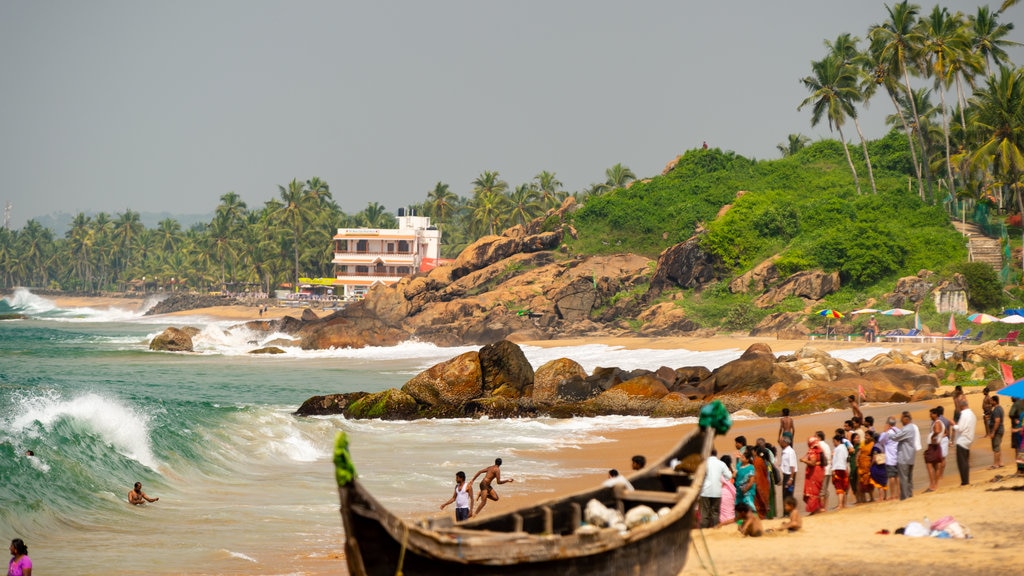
column 979, row 318
column 1012, row 319
column 1015, row 390
column 897, row 312
column 863, row 311
column 830, row 313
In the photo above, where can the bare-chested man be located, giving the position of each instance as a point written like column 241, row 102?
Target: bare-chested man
column 492, row 474
column 787, row 428
column 137, row 496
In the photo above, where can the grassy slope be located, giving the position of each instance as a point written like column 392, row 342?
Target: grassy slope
column 804, row 208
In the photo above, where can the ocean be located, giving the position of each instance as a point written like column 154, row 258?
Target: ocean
column 245, row 486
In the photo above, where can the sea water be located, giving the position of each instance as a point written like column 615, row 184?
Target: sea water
column 245, row 486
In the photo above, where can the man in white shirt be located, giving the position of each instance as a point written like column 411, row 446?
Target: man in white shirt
column 840, row 471
column 964, row 432
column 711, row 491
column 615, row 479
column 788, row 467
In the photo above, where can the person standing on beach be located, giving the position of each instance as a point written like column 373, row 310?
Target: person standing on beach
column 963, row 437
column 814, row 475
column 462, row 497
column 787, row 428
column 872, row 330
column 137, row 496
column 889, row 445
column 905, row 454
column 20, row 564
column 986, row 411
column 491, row 474
column 938, row 432
column 1016, row 416
column 711, row 491
column 826, row 450
column 840, row 471
column 855, row 407
column 995, row 432
column 788, row 467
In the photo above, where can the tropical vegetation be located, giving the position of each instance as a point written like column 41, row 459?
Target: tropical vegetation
column 957, row 134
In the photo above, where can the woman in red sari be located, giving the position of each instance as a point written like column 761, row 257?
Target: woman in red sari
column 762, row 484
column 814, row 476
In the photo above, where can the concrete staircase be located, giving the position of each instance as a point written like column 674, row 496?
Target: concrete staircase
column 981, row 248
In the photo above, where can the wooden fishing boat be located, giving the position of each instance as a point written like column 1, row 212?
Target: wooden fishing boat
column 549, row 538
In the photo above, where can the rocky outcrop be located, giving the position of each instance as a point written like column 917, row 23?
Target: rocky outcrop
column 685, row 265
column 172, row 340
column 178, row 302
column 497, row 382
column 809, row 284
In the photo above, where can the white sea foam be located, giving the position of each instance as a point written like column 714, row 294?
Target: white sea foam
column 124, row 428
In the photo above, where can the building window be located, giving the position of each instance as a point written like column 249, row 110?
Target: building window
column 403, row 270
column 403, row 246
column 391, row 247
column 362, row 246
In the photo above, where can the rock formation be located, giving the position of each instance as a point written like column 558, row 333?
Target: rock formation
column 497, row 381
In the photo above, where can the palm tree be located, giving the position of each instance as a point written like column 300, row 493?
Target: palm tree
column 523, row 204
column 490, row 183
column 375, row 215
column 618, row 176
column 486, row 210
column 294, row 213
column 833, row 90
column 893, row 44
column 127, row 227
column 548, row 188
column 441, row 201
column 844, row 48
column 988, row 37
column 1000, row 122
column 793, row 144
column 943, row 39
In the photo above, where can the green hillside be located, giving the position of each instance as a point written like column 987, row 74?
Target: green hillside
column 803, row 207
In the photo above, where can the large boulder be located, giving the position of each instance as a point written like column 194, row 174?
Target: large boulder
column 328, row 404
column 549, row 376
column 506, row 371
column 684, row 265
column 809, row 284
column 757, row 279
column 172, row 340
column 390, row 404
column 448, row 384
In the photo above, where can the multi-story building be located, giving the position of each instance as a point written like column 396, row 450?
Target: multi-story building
column 364, row 257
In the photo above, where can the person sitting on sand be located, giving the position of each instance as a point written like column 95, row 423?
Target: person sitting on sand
column 137, row 496
column 794, row 521
column 750, row 523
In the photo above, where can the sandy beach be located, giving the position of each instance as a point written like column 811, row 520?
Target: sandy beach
column 840, row 542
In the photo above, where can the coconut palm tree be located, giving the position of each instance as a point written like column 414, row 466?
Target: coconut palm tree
column 548, row 188
column 833, row 87
column 894, row 43
column 943, row 38
column 489, row 183
column 793, row 144
column 618, row 176
column 988, row 36
column 844, row 48
column 523, row 205
column 441, row 202
column 999, row 120
column 127, row 228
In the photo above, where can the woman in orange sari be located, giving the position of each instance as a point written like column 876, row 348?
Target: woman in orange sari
column 814, row 476
column 864, row 455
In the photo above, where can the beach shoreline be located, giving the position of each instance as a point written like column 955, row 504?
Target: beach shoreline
column 842, row 540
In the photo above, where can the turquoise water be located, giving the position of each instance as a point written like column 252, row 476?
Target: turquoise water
column 245, row 487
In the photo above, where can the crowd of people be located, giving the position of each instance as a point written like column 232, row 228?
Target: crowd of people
column 861, row 463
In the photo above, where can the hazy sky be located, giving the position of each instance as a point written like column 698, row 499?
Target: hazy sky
column 165, row 106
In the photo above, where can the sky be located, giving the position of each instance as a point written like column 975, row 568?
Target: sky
column 166, row 106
